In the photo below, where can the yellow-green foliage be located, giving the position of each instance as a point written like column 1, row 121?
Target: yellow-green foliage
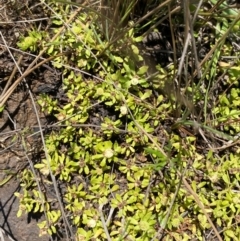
column 102, row 150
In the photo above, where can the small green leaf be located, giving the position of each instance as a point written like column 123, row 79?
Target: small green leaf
column 1, row 108
column 146, row 95
column 142, row 70
column 19, row 213
column 135, row 49
column 157, row 153
column 118, row 59
column 230, row 233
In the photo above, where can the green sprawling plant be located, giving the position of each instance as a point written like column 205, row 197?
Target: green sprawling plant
column 116, row 182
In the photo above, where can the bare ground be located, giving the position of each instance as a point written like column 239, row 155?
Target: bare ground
column 18, row 118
